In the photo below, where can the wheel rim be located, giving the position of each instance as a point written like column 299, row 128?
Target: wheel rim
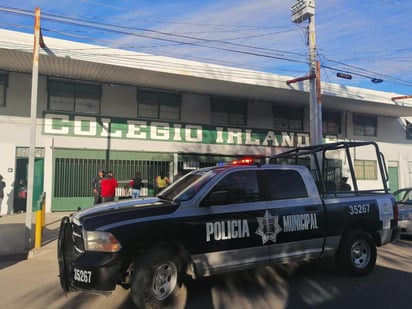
column 164, row 280
column 360, row 254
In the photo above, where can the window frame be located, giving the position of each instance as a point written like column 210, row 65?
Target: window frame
column 410, row 172
column 234, row 110
column 289, row 114
column 330, row 118
column 78, row 92
column 363, row 171
column 362, row 124
column 160, row 102
column 236, row 189
column 4, row 83
column 277, row 184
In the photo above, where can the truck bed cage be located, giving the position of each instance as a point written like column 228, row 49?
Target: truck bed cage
column 314, row 157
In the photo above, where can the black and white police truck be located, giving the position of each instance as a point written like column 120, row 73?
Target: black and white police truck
column 233, row 217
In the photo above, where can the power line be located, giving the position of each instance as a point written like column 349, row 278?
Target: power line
column 168, row 36
column 373, row 76
column 180, row 40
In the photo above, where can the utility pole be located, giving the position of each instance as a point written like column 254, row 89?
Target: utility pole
column 32, row 142
column 301, row 11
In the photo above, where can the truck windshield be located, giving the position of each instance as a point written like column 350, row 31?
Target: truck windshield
column 186, row 187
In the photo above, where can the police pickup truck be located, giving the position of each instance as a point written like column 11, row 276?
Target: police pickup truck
column 233, row 217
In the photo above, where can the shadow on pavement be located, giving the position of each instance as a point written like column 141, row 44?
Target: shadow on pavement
column 12, row 237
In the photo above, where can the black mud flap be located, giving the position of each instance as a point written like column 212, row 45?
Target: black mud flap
column 65, row 254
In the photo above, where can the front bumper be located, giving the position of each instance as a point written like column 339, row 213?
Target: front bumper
column 90, row 271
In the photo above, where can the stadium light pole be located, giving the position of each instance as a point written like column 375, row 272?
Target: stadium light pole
column 301, row 11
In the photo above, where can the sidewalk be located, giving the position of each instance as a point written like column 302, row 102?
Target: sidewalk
column 13, row 238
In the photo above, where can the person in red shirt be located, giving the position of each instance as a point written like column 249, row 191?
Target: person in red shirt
column 108, row 187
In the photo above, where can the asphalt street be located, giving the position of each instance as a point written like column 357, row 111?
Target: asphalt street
column 30, row 280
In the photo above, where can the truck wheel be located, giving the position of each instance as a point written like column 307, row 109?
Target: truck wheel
column 357, row 253
column 158, row 280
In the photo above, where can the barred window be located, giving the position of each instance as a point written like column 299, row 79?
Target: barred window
column 366, row 170
column 287, row 117
column 229, row 111
column 159, row 104
column 71, row 96
column 73, row 176
column 331, row 122
column 364, row 125
column 3, row 87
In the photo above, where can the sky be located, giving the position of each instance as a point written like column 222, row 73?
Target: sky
column 364, row 38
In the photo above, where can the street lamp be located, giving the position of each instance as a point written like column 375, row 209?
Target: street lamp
column 344, row 75
column 303, row 10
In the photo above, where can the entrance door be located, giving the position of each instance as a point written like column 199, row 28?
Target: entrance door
column 393, row 178
column 20, row 183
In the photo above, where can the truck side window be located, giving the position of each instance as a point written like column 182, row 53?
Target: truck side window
column 284, row 184
column 237, row 187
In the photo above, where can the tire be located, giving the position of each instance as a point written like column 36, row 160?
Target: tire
column 357, row 253
column 158, row 280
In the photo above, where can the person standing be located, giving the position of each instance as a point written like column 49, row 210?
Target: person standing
column 161, row 182
column 96, row 187
column 108, row 187
column 2, row 186
column 136, row 184
column 20, row 197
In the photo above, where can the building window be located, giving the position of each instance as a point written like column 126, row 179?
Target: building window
column 229, row 111
column 408, row 130
column 159, row 104
column 331, row 122
column 366, row 170
column 364, row 125
column 71, row 96
column 3, row 87
column 287, row 117
column 410, row 172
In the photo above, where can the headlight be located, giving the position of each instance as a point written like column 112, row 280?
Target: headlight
column 101, row 242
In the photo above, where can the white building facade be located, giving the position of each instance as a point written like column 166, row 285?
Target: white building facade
column 100, row 108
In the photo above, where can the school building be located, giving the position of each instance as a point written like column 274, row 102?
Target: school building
column 102, row 108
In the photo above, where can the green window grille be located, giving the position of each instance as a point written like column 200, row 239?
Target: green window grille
column 73, row 176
